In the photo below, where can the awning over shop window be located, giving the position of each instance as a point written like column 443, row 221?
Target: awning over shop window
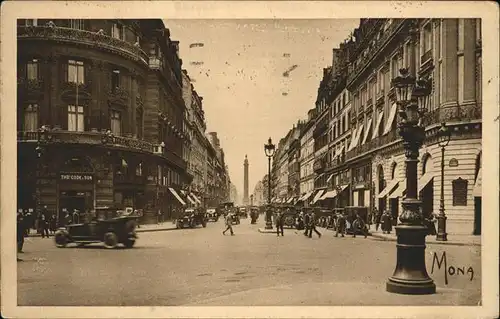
column 400, row 190
column 390, row 120
column 377, row 125
column 306, row 196
column 192, row 201
column 176, row 196
column 343, row 187
column 318, row 196
column 329, row 195
column 196, row 198
column 290, row 200
column 358, row 136
column 329, row 178
column 392, row 184
column 478, row 187
column 424, row 180
column 367, row 130
column 353, row 138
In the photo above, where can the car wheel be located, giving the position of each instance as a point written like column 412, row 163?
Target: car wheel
column 129, row 243
column 110, row 240
column 61, row 239
column 204, row 224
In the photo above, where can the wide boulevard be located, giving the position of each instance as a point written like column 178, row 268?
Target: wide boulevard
column 202, row 267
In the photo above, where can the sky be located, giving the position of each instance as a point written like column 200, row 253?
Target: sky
column 239, row 73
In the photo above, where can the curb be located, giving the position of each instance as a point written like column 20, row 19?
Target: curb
column 385, row 238
column 153, row 230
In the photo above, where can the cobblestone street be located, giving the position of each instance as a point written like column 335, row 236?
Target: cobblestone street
column 203, row 267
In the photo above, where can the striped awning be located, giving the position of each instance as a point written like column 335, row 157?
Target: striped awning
column 318, row 195
column 196, row 198
column 192, row 201
column 177, row 196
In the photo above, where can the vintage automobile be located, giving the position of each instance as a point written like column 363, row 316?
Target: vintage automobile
column 192, row 217
column 243, row 212
column 350, row 213
column 212, row 214
column 108, row 225
column 289, row 216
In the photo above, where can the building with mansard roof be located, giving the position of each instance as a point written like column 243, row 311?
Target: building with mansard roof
column 108, row 94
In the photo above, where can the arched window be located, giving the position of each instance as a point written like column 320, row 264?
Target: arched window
column 426, row 163
column 138, row 170
column 393, row 170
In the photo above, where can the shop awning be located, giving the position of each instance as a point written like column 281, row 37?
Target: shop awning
column 290, row 200
column 318, row 196
column 338, row 152
column 329, row 178
column 343, row 187
column 377, row 125
column 196, row 198
column 390, row 120
column 400, row 190
column 392, row 184
column 176, row 196
column 424, row 180
column 367, row 130
column 192, row 201
column 358, row 136
column 477, row 191
column 353, row 138
column 306, row 196
column 273, row 200
column 329, row 195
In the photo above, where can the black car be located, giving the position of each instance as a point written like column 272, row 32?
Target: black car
column 191, row 218
column 109, row 226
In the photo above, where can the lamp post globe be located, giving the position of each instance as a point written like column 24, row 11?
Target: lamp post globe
column 410, row 274
column 269, row 150
column 444, row 136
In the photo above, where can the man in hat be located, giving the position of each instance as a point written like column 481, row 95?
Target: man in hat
column 341, row 225
column 279, row 223
column 312, row 225
column 229, row 224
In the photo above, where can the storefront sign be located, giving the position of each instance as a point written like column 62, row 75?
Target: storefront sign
column 453, row 162
column 76, row 177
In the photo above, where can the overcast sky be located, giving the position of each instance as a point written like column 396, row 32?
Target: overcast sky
column 246, row 98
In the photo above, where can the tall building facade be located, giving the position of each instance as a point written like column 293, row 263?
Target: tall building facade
column 246, row 200
column 362, row 163
column 109, row 96
column 306, row 159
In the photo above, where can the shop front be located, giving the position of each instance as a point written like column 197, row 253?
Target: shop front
column 76, row 195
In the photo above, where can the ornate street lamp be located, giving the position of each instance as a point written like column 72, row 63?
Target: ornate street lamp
column 410, row 275
column 44, row 137
column 269, row 149
column 444, row 136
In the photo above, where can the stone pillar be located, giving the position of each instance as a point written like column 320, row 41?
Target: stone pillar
column 469, row 61
column 53, row 101
column 94, row 106
column 450, row 69
column 133, row 105
column 104, row 190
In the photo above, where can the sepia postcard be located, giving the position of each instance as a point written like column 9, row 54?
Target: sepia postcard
column 249, row 159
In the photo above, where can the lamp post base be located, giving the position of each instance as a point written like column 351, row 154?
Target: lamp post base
column 269, row 225
column 410, row 276
column 441, row 232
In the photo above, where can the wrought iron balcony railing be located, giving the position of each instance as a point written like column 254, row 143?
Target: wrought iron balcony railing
column 88, row 38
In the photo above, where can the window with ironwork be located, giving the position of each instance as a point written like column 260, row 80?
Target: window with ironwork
column 138, row 169
column 361, row 197
column 459, row 186
column 76, row 118
column 117, row 31
column 32, row 69
column 116, row 123
column 427, row 41
column 31, row 22
column 76, row 71
column 115, row 79
column 31, row 118
column 77, row 24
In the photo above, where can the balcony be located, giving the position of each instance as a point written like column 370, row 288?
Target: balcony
column 83, row 37
column 155, row 63
column 96, row 138
column 362, row 63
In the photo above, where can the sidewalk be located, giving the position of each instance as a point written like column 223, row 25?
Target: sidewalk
column 453, row 239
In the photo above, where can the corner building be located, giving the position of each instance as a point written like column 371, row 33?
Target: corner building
column 448, row 53
column 110, row 94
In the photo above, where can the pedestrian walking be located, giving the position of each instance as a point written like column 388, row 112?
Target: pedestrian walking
column 312, row 225
column 20, row 231
column 67, row 219
column 430, row 222
column 45, row 226
column 279, row 223
column 341, row 225
column 378, row 216
column 229, row 224
column 386, row 222
column 76, row 217
column 359, row 225
column 53, row 223
column 307, row 217
column 369, row 219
